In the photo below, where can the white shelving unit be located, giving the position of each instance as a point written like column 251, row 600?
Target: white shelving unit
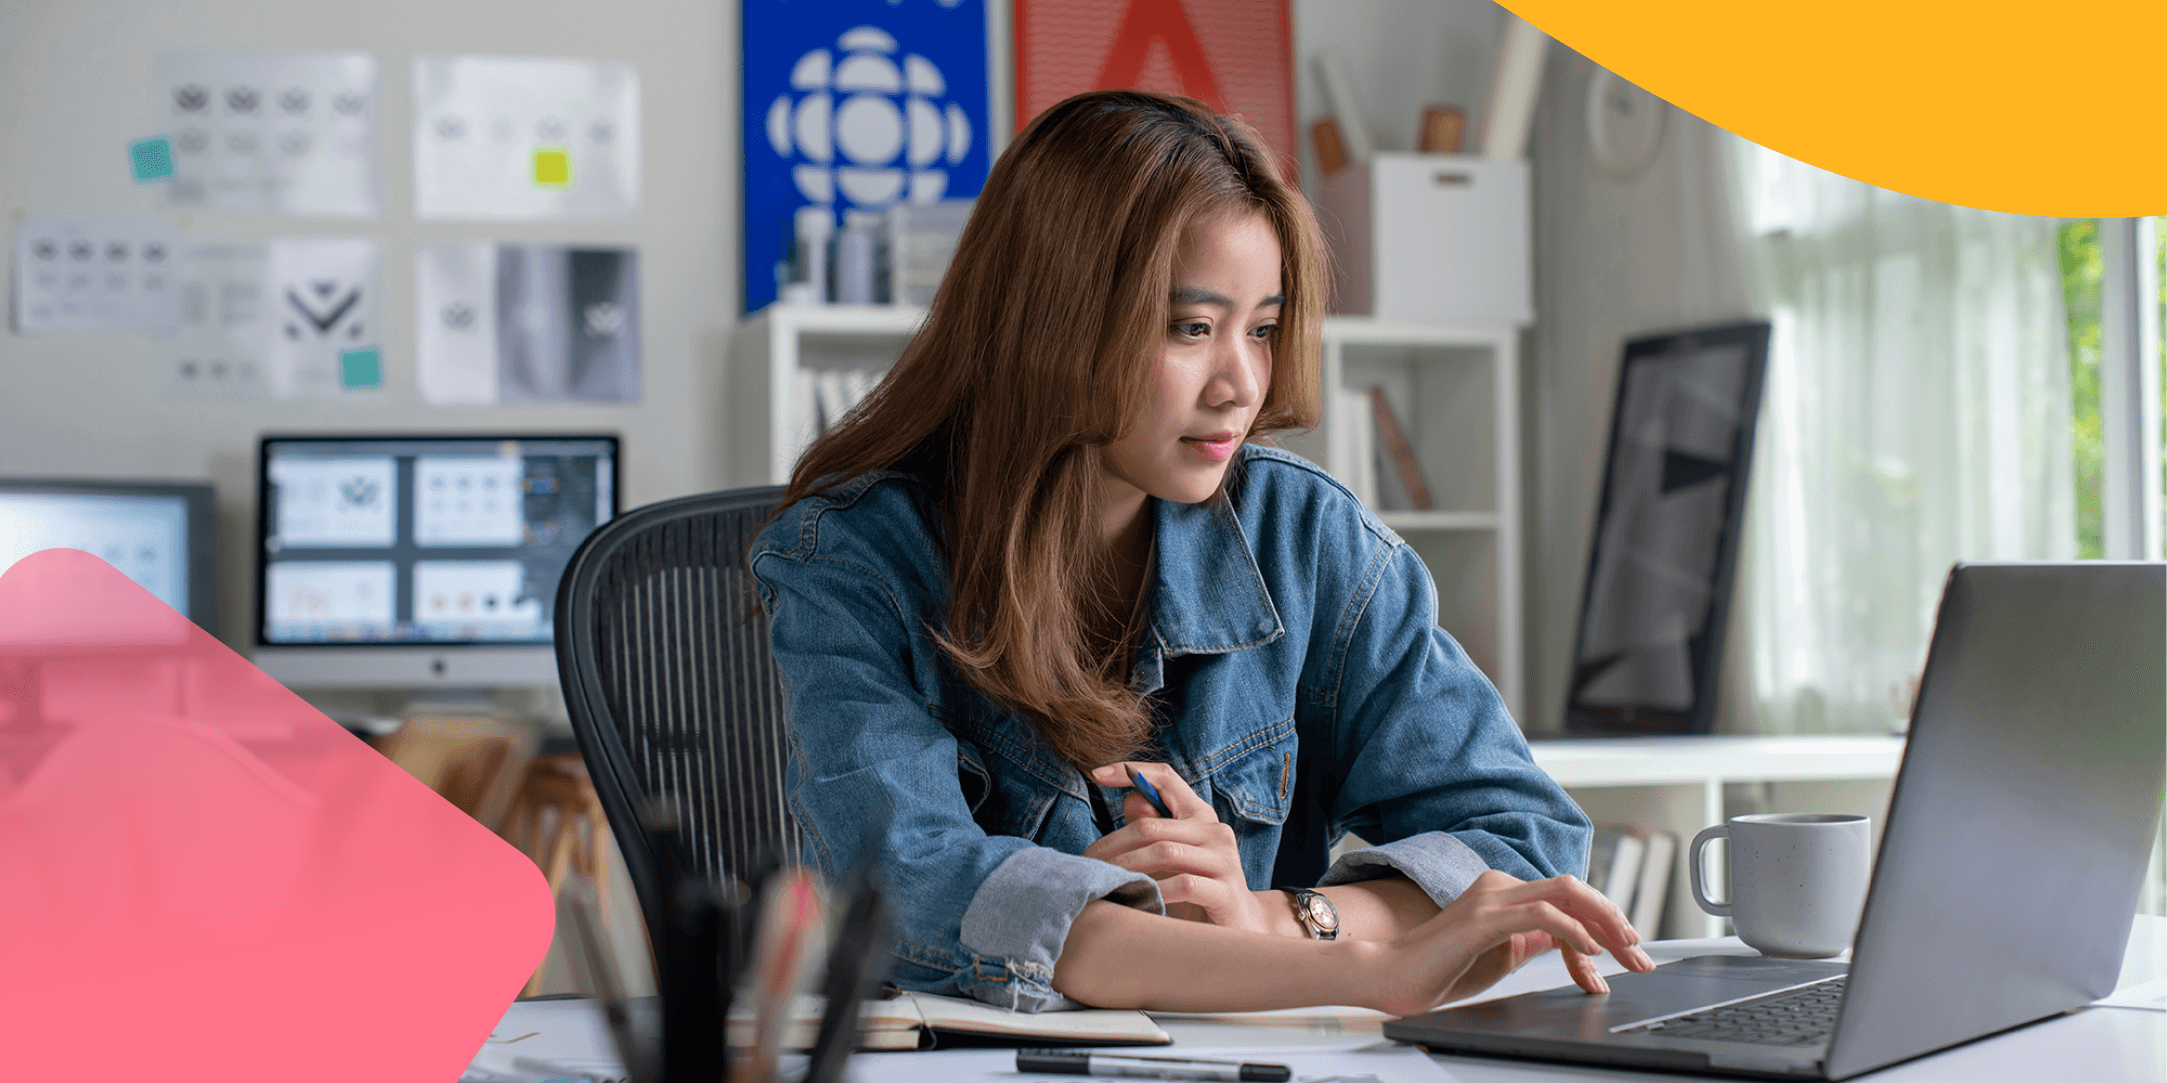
column 1456, row 394
column 1456, row 391
column 773, row 356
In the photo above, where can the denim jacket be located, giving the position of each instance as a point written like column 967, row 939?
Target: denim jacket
column 1302, row 683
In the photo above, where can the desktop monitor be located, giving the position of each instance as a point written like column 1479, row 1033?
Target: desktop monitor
column 159, row 534
column 420, row 561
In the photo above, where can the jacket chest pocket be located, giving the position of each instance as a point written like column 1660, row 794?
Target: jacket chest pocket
column 1254, row 780
column 1004, row 804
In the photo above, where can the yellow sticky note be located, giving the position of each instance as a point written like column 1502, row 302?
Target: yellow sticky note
column 553, row 167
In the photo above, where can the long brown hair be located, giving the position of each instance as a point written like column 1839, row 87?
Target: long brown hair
column 1039, row 350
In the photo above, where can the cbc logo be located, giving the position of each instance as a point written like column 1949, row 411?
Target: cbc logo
column 863, row 128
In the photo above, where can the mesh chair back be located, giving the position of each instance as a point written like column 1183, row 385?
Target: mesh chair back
column 663, row 652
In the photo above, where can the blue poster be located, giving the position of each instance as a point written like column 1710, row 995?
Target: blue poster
column 855, row 105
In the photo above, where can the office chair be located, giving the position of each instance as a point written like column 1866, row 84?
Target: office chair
column 663, row 652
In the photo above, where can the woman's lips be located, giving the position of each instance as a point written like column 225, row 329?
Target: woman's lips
column 1216, row 448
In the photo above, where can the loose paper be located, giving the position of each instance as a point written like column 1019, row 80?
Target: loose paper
column 322, row 330
column 1362, row 1061
column 218, row 353
column 527, row 323
column 2149, row 996
column 97, row 275
column 511, row 137
column 271, row 133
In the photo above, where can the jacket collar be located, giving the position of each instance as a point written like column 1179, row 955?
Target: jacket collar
column 1207, row 595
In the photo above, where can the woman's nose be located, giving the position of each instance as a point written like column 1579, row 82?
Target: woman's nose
column 1239, row 373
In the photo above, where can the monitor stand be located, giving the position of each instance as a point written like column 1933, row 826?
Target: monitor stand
column 453, row 701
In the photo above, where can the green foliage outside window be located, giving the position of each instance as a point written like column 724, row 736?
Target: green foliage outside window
column 2079, row 244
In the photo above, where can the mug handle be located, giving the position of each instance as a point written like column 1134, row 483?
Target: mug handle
column 1700, row 877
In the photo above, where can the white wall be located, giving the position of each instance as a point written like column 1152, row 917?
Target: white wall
column 1613, row 259
column 1401, row 55
column 75, row 89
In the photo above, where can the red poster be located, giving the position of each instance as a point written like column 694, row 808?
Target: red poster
column 1236, row 55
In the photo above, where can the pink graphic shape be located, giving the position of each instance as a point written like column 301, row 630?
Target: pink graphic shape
column 202, row 877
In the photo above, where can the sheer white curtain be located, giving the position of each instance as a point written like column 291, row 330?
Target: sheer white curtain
column 1917, row 413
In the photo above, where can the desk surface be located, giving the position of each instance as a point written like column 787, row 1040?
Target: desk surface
column 2097, row 1045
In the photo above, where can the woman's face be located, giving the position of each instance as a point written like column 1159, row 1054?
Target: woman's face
column 1215, row 363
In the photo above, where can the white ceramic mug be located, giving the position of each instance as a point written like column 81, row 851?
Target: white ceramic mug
column 1797, row 880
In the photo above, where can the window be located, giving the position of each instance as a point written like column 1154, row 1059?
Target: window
column 2082, row 268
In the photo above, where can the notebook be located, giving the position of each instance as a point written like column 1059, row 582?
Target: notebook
column 923, row 1021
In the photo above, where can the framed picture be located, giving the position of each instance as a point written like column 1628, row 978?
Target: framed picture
column 851, row 107
column 1235, row 55
column 1666, row 533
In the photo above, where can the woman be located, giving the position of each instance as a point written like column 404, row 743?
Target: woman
column 1046, row 551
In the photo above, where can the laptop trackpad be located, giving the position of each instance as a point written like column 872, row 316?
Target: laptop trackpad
column 1676, row 987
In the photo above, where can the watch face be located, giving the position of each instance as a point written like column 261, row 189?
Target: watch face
column 1321, row 912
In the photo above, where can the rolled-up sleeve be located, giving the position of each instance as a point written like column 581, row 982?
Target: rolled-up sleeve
column 1435, row 771
column 977, row 915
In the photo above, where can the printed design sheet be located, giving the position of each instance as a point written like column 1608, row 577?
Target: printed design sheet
column 321, row 330
column 218, row 353
column 96, row 275
column 525, row 138
column 270, row 133
column 527, row 323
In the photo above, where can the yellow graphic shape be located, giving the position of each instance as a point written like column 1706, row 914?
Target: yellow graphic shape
column 553, row 167
column 2036, row 109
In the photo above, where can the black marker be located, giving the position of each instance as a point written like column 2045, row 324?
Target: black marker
column 1150, row 792
column 1083, row 1062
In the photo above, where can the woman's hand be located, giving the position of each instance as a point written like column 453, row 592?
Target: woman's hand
column 1497, row 924
column 1193, row 856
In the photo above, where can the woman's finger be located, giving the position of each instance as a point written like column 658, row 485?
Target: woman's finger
column 1608, row 923
column 1203, row 834
column 1583, row 970
column 1543, row 916
column 1592, row 910
column 1180, row 800
column 1162, row 859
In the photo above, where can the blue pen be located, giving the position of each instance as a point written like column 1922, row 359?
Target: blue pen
column 1150, row 792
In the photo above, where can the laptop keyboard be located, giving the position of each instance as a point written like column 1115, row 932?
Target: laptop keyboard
column 1796, row 1017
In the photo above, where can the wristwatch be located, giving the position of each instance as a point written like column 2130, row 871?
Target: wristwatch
column 1315, row 912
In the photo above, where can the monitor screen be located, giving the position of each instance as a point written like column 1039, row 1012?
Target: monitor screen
column 421, row 541
column 158, row 534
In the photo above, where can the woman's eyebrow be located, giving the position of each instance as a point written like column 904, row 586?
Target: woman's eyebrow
column 1198, row 295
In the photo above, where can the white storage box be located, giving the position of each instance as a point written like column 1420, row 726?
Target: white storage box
column 1433, row 238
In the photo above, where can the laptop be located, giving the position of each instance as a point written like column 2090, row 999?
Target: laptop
column 2016, row 842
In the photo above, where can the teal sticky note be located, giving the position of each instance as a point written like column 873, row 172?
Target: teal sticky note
column 152, row 158
column 361, row 370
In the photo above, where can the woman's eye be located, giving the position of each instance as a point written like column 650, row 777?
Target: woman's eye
column 1192, row 329
column 1267, row 332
